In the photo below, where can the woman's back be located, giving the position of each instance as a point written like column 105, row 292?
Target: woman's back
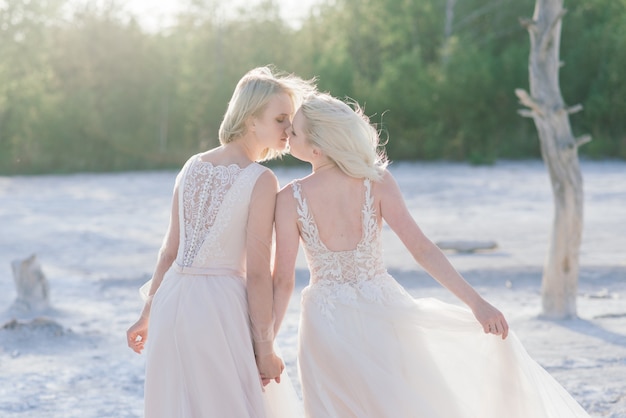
column 336, row 201
column 337, row 271
column 214, row 200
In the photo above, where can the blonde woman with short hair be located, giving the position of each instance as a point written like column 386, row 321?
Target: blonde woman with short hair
column 207, row 322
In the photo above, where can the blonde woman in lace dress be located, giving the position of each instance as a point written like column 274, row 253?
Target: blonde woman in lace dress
column 208, row 313
column 366, row 348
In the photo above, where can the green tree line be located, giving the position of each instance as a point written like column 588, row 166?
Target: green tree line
column 86, row 88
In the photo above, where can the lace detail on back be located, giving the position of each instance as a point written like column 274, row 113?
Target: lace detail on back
column 342, row 276
column 204, row 189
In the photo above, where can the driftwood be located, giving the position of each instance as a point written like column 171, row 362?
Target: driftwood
column 467, row 246
column 31, row 285
column 559, row 150
column 40, row 324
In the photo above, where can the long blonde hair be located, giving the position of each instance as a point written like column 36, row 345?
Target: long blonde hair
column 251, row 96
column 345, row 135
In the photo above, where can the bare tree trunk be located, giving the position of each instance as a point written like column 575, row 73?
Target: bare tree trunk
column 163, row 126
column 447, row 30
column 449, row 18
column 559, row 150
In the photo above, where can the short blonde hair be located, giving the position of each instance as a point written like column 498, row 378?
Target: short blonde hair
column 344, row 133
column 250, row 98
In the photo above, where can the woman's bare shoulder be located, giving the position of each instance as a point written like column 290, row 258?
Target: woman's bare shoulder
column 386, row 184
column 267, row 181
column 288, row 189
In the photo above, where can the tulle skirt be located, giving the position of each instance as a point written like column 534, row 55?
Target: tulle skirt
column 199, row 356
column 359, row 357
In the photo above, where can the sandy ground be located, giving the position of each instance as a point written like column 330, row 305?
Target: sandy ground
column 96, row 238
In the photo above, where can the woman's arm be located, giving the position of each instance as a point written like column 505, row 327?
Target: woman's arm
column 137, row 334
column 287, row 244
column 431, row 258
column 259, row 277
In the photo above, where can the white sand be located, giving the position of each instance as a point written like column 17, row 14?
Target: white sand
column 97, row 235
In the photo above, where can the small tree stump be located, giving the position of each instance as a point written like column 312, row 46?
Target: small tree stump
column 33, row 291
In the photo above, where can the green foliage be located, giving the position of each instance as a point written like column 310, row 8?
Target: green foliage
column 97, row 92
column 442, row 97
column 594, row 50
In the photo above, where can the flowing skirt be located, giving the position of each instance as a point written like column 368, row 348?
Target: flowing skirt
column 199, row 355
column 360, row 356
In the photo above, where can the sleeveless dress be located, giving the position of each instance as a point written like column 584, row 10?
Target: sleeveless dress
column 366, row 348
column 199, row 354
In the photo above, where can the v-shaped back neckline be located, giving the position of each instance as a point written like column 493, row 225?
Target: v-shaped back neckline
column 302, row 202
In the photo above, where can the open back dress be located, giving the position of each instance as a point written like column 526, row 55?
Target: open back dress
column 366, row 348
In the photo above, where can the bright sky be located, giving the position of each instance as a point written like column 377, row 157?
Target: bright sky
column 155, row 13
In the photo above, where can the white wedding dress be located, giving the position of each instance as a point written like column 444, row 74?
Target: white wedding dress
column 199, row 356
column 367, row 348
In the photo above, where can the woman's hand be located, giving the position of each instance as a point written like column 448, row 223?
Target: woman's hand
column 491, row 319
column 270, row 368
column 137, row 335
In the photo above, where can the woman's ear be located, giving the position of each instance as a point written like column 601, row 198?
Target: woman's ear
column 251, row 124
column 318, row 153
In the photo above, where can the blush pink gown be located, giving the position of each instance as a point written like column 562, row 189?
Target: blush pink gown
column 199, row 356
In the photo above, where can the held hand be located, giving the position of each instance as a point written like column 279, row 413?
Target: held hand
column 270, row 367
column 137, row 335
column 491, row 319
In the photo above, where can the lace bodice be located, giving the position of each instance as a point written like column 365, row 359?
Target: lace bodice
column 344, row 276
column 213, row 211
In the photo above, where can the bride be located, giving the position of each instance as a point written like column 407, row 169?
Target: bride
column 208, row 311
column 366, row 348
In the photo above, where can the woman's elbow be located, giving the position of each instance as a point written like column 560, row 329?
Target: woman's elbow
column 167, row 255
column 284, row 282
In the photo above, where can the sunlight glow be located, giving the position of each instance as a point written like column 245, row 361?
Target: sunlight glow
column 155, row 15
